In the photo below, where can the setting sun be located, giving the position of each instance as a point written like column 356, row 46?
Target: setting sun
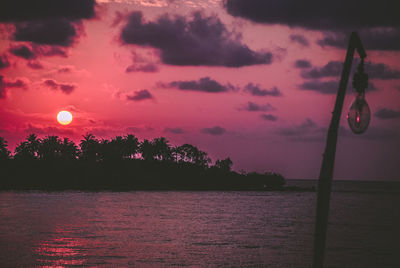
column 64, row 117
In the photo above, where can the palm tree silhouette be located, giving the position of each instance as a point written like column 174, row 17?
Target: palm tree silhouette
column 131, row 146
column 162, row 150
column 112, row 150
column 68, row 150
column 191, row 154
column 89, row 147
column 29, row 149
column 225, row 164
column 176, row 153
column 50, row 148
column 4, row 152
column 147, row 151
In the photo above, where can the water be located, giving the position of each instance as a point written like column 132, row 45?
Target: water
column 197, row 229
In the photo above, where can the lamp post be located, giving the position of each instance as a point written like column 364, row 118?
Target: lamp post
column 358, row 119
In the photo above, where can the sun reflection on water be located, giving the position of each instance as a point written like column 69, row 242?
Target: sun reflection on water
column 61, row 251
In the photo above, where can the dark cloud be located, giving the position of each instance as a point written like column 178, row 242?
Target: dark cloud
column 331, row 15
column 60, row 32
column 381, row 71
column 298, row 38
column 269, row 117
column 146, row 68
column 64, row 70
column 4, row 63
column 3, row 92
column 26, row 10
column 328, row 87
column 50, row 51
column 378, row 23
column 254, row 107
column 386, row 113
column 35, row 65
column 51, row 83
column 19, row 83
column 65, row 88
column 23, row 52
column 199, row 41
column 47, row 22
column 4, row 85
column 256, row 90
column 372, row 39
column 338, row 40
column 306, row 131
column 40, row 130
column 29, row 53
column 140, row 95
column 205, row 84
column 324, row 87
column 302, row 64
column 174, row 130
column 334, row 69
column 217, row 130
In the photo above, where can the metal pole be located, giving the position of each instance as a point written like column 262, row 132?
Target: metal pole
column 326, row 173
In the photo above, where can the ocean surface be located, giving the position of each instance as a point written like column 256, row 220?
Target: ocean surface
column 199, row 229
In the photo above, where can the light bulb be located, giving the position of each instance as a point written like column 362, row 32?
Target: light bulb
column 359, row 115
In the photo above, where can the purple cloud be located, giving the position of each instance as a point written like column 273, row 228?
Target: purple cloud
column 256, row 90
column 146, row 68
column 140, row 95
column 254, row 107
column 60, row 32
column 4, row 63
column 269, row 117
column 197, row 41
column 298, row 38
column 34, row 65
column 47, row 22
column 216, row 131
column 320, row 16
column 373, row 39
column 386, row 113
column 4, row 85
column 328, row 87
column 205, row 84
column 22, row 51
column 22, row 10
column 302, row 64
column 65, row 88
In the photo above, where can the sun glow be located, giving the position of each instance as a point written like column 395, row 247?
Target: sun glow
column 64, row 117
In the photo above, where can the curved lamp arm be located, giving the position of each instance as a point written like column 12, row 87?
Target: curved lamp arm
column 326, row 173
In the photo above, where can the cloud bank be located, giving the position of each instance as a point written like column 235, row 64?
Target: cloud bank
column 199, row 40
column 378, row 23
column 205, row 84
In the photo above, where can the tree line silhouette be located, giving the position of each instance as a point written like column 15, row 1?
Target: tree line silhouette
column 121, row 163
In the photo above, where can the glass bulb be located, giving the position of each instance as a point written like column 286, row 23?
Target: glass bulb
column 359, row 115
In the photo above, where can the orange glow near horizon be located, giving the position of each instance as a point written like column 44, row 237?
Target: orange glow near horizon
column 64, row 117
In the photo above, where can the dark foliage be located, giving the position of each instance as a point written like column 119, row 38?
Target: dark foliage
column 120, row 164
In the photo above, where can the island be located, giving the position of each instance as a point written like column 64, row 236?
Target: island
column 122, row 163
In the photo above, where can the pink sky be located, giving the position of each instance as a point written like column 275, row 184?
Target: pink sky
column 287, row 132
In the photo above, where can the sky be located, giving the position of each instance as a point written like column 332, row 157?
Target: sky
column 252, row 80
